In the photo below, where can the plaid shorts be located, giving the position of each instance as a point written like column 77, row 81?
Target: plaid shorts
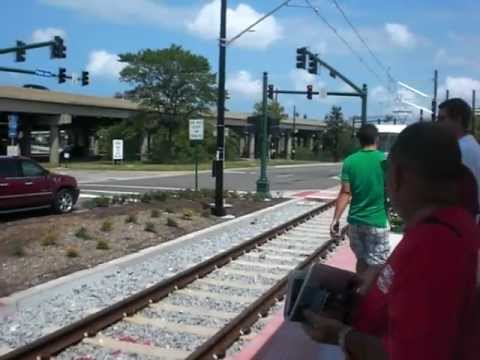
column 369, row 243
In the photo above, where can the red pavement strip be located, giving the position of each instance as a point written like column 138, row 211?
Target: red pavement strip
column 281, row 340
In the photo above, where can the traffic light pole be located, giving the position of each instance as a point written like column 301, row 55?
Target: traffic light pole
column 218, row 209
column 27, row 47
column 434, row 101
column 262, row 183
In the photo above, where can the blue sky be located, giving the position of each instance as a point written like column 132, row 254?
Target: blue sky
column 412, row 38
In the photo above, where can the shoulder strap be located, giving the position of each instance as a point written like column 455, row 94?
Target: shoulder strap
column 437, row 221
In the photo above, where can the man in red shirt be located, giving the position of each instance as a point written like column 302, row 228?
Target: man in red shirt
column 425, row 302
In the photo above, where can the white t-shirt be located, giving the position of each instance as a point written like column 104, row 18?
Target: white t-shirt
column 471, row 157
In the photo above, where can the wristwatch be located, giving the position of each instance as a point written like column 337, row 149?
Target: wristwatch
column 342, row 336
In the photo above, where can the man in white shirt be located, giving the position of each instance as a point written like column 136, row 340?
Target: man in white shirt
column 456, row 115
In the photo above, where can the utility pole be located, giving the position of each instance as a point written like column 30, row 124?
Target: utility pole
column 262, row 183
column 434, row 101
column 447, row 94
column 219, row 209
column 364, row 103
column 474, row 95
column 421, row 115
column 294, row 137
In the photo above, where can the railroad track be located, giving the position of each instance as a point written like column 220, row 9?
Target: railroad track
column 198, row 313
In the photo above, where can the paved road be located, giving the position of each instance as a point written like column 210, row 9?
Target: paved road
column 282, row 178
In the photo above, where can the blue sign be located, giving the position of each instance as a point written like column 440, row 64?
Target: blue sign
column 12, row 125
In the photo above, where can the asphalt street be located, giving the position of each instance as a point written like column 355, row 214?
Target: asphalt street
column 282, row 178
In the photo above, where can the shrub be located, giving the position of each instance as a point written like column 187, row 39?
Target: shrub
column 187, row 214
column 169, row 211
column 101, row 202
column 102, row 245
column 72, row 252
column 259, row 197
column 18, row 250
column 131, row 219
column 150, row 227
column 50, row 239
column 82, row 233
column 146, row 198
column 107, row 226
column 155, row 213
column 172, row 222
column 160, row 196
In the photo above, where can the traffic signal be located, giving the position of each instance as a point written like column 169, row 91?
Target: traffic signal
column 301, row 58
column 309, row 92
column 85, row 78
column 270, row 92
column 20, row 53
column 58, row 49
column 312, row 65
column 62, row 75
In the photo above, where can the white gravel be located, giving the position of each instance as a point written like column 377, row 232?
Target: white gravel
column 62, row 306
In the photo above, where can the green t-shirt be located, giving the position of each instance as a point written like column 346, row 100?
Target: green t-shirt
column 364, row 171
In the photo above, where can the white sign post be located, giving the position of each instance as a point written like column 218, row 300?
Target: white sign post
column 196, row 134
column 323, row 93
column 117, row 152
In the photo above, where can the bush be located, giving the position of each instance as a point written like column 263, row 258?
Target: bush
column 160, row 196
column 155, row 213
column 150, row 227
column 172, row 222
column 107, row 226
column 82, row 233
column 187, row 214
column 50, row 239
column 102, row 202
column 146, row 198
column 169, row 211
column 131, row 219
column 102, row 245
column 18, row 250
column 72, row 252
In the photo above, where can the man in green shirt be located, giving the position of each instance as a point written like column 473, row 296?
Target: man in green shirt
column 363, row 186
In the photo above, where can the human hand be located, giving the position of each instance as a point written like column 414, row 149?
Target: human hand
column 335, row 228
column 322, row 329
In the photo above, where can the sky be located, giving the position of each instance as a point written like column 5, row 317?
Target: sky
column 409, row 38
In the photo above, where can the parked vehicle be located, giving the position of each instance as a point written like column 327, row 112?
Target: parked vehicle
column 25, row 185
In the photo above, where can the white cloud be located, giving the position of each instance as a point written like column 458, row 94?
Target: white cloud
column 443, row 57
column 103, row 63
column 47, row 34
column 400, row 35
column 243, row 84
column 207, row 25
column 126, row 11
column 460, row 87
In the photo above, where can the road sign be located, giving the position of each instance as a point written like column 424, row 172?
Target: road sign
column 196, row 130
column 117, row 153
column 12, row 125
column 323, row 93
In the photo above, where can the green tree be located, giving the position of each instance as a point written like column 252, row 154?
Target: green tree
column 274, row 109
column 337, row 137
column 172, row 83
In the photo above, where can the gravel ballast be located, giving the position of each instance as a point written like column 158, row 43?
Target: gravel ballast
column 73, row 301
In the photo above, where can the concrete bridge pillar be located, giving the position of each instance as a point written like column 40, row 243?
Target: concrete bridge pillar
column 54, row 123
column 251, row 146
column 288, row 146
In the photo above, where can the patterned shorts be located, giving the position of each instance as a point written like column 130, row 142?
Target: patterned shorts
column 369, row 243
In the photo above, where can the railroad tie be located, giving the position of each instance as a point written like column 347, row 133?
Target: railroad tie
column 263, row 265
column 223, row 315
column 141, row 349
column 215, row 296
column 251, row 274
column 171, row 326
column 232, row 284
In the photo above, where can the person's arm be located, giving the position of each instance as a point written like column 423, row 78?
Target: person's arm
column 341, row 204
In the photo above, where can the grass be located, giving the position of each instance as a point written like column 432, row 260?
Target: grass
column 155, row 213
column 102, row 245
column 82, row 233
column 107, row 226
column 50, row 239
column 138, row 166
column 131, row 219
column 172, row 222
column 150, row 227
column 72, row 252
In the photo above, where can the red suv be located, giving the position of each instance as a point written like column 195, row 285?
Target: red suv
column 25, row 185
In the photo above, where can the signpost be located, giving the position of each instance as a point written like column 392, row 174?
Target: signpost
column 12, row 127
column 196, row 135
column 117, row 152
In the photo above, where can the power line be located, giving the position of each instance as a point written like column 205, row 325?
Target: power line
column 347, row 44
column 377, row 60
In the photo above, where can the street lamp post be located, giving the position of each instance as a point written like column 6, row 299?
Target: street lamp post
column 219, row 209
column 263, row 185
column 294, row 137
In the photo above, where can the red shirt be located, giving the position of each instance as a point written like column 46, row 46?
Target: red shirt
column 425, row 303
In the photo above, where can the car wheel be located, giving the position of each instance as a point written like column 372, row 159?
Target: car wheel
column 64, row 201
